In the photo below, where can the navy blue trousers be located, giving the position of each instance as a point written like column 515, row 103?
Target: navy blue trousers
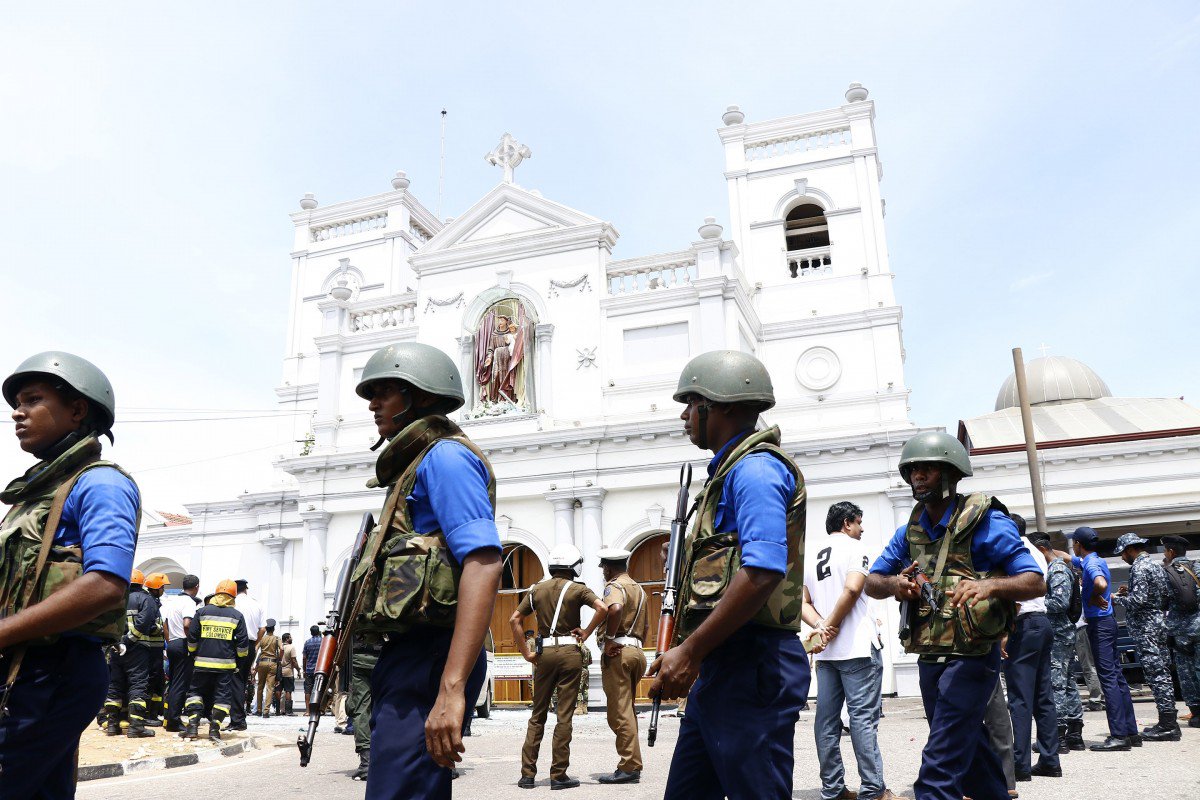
column 179, row 679
column 404, row 687
column 957, row 760
column 737, row 739
column 58, row 693
column 1030, row 695
column 1118, row 705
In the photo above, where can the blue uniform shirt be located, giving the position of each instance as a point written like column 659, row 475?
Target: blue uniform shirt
column 995, row 545
column 1093, row 565
column 100, row 515
column 754, row 500
column 450, row 495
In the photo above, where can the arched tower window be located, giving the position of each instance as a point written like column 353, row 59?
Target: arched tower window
column 807, row 238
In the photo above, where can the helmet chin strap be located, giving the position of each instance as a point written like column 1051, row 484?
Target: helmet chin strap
column 702, row 434
column 396, row 419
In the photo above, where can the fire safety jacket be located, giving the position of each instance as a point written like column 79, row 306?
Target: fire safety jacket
column 217, row 638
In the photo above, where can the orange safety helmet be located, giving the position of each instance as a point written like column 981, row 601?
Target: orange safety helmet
column 137, row 577
column 227, row 587
column 157, row 580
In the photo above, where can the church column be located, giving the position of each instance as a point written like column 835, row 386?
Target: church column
column 316, row 538
column 563, row 501
column 591, row 539
column 325, row 422
column 542, row 368
column 274, row 602
column 466, row 367
column 902, row 506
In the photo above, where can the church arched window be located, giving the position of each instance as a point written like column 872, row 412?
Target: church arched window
column 807, row 241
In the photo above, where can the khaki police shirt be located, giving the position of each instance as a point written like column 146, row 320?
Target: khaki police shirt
column 626, row 591
column 543, row 598
column 269, row 646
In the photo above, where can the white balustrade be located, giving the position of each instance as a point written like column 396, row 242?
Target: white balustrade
column 641, row 275
column 806, row 263
column 419, row 233
column 797, row 143
column 388, row 315
column 333, row 230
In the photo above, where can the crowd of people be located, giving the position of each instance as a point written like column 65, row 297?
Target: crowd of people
column 980, row 598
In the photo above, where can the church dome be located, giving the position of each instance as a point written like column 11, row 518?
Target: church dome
column 1054, row 380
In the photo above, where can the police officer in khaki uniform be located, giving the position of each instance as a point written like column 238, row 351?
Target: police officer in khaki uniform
column 623, row 662
column 558, row 661
column 268, row 660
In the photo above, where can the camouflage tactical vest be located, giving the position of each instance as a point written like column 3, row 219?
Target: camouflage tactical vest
column 711, row 558
column 410, row 577
column 22, row 532
column 946, row 561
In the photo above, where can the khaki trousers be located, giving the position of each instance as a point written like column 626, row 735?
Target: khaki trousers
column 558, row 667
column 620, row 675
column 266, row 683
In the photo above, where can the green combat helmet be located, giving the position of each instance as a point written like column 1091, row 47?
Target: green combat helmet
column 419, row 365
column 725, row 376
column 80, row 374
column 939, row 447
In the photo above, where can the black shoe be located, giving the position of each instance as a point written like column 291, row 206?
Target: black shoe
column 455, row 774
column 113, row 728
column 172, row 726
column 1046, row 771
column 1194, row 722
column 1024, row 776
column 565, row 783
column 620, row 776
column 1075, row 734
column 1111, row 744
column 1095, row 705
column 526, row 782
column 237, row 726
column 190, row 732
column 1135, row 739
column 154, row 723
column 214, row 733
column 364, row 766
column 348, row 730
column 1167, row 729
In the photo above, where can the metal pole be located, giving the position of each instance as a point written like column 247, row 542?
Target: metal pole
column 1035, row 476
column 442, row 169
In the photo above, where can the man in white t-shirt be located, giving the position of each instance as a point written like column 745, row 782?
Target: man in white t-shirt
column 177, row 611
column 252, row 613
column 850, row 666
column 1027, row 678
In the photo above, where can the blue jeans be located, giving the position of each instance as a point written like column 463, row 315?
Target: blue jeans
column 857, row 683
column 1118, row 705
column 738, row 737
column 958, row 759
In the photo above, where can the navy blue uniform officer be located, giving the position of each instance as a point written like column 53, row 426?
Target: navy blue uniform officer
column 424, row 676
column 61, row 405
column 983, row 559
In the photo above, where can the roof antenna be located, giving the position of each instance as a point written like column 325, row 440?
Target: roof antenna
column 442, row 169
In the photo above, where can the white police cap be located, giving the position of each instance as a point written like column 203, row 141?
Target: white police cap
column 613, row 554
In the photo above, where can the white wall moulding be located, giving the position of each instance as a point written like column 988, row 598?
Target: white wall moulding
column 818, row 368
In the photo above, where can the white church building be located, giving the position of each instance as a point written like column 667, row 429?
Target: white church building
column 571, row 355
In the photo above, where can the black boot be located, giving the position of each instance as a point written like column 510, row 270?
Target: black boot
column 1167, row 729
column 1194, row 722
column 364, row 765
column 1063, row 749
column 137, row 730
column 1075, row 734
column 214, row 732
column 112, row 727
column 192, row 731
column 1135, row 740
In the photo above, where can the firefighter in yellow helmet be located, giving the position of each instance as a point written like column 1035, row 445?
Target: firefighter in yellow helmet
column 217, row 639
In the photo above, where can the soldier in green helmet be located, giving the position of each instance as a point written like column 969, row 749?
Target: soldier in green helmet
column 429, row 572
column 968, row 549
column 66, row 554
column 740, row 594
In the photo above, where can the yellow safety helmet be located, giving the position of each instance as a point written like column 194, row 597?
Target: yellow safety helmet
column 157, row 580
column 137, row 577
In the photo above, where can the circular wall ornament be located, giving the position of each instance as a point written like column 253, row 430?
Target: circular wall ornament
column 818, row 368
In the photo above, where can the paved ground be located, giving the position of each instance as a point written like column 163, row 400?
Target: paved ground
column 491, row 767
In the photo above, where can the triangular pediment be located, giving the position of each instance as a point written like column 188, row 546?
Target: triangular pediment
column 506, row 212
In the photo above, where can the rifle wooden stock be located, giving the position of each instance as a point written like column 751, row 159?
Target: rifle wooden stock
column 339, row 628
column 666, row 623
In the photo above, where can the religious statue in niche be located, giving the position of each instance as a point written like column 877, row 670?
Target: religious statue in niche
column 501, row 362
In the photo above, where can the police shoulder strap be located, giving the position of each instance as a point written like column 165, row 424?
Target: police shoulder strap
column 638, row 613
column 558, row 608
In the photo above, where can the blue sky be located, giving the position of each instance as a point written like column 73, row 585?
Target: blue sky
column 1040, row 174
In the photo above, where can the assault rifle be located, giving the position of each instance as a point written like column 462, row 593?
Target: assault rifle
column 666, row 623
column 335, row 644
column 909, row 608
